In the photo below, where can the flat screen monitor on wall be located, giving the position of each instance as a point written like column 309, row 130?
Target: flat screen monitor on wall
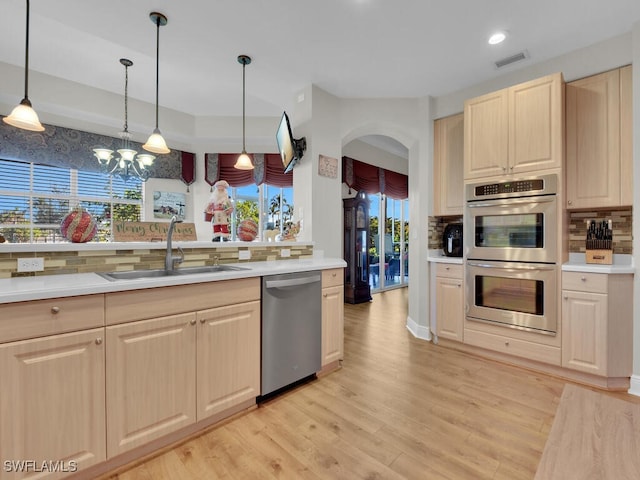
column 291, row 149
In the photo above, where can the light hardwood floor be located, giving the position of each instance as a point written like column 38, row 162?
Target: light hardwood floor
column 399, row 408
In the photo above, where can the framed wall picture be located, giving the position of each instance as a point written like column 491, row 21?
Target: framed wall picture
column 328, row 166
column 168, row 204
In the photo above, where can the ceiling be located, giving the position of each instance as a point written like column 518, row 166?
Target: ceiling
column 349, row 48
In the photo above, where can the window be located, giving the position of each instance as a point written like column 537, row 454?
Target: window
column 271, row 207
column 35, row 198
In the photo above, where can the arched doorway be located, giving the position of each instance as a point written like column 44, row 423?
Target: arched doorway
column 388, row 217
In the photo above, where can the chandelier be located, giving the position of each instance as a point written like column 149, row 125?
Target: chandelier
column 127, row 165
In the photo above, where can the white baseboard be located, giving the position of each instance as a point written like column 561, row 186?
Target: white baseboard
column 634, row 387
column 418, row 331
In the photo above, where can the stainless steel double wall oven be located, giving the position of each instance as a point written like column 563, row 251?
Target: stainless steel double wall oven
column 511, row 253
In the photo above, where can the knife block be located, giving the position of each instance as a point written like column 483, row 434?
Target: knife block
column 601, row 257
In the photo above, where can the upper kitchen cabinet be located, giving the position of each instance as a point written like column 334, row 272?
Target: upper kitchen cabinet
column 515, row 130
column 448, row 154
column 599, row 146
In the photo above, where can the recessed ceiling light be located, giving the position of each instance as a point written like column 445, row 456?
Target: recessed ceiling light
column 497, row 38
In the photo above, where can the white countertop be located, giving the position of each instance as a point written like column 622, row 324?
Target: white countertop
column 438, row 257
column 19, row 289
column 621, row 264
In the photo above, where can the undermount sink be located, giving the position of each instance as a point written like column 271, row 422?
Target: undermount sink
column 135, row 274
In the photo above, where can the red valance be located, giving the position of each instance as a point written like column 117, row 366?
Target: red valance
column 188, row 168
column 268, row 169
column 371, row 179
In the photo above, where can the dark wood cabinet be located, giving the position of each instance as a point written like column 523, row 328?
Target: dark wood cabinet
column 356, row 249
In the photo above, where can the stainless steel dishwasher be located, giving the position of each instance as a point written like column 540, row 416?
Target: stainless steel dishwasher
column 291, row 328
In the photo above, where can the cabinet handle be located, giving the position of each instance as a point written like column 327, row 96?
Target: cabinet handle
column 333, row 274
column 511, row 168
column 447, row 268
column 570, row 202
column 566, row 297
column 504, row 169
column 459, row 285
column 55, row 310
column 584, row 279
column 506, row 344
column 193, row 321
column 98, row 341
column 202, row 320
column 324, row 295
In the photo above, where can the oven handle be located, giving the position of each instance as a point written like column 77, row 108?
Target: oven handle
column 512, row 201
column 509, row 269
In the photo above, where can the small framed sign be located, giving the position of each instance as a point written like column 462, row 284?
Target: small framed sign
column 328, row 166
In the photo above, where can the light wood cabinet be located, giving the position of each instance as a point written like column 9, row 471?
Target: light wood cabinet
column 448, row 181
column 52, row 400
column 169, row 372
column 228, row 357
column 598, row 140
column 332, row 316
column 515, row 130
column 151, row 383
column 449, row 301
column 597, row 323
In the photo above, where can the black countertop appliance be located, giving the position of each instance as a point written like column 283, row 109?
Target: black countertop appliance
column 452, row 240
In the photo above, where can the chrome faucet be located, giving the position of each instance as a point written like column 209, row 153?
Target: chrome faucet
column 169, row 260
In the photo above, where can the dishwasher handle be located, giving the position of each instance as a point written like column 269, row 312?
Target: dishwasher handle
column 292, row 282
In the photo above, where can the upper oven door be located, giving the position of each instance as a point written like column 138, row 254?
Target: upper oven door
column 520, row 229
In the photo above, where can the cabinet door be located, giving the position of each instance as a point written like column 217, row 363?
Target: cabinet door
column 228, row 357
column 536, row 125
column 52, row 400
column 449, row 308
column 448, row 165
column 150, row 380
column 332, row 324
column 626, row 137
column 486, row 135
column 584, row 331
column 593, row 141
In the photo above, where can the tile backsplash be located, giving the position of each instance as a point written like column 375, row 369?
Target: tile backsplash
column 622, row 228
column 436, row 229
column 122, row 258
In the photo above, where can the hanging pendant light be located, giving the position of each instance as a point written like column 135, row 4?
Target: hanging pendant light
column 244, row 161
column 24, row 116
column 156, row 143
column 128, row 165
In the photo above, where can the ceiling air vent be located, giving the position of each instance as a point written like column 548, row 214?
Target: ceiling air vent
column 512, row 59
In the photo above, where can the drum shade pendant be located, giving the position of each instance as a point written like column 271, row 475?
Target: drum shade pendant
column 156, row 143
column 244, row 161
column 128, row 165
column 24, row 116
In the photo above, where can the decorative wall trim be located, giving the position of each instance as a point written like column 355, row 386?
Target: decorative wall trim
column 634, row 387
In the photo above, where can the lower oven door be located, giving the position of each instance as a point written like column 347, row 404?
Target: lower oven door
column 511, row 294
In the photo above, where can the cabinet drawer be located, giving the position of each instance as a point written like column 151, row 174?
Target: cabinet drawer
column 512, row 346
column 333, row 277
column 585, row 282
column 121, row 307
column 38, row 318
column 450, row 270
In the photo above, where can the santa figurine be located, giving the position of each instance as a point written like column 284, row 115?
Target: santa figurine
column 219, row 210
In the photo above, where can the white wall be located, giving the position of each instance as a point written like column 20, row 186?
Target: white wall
column 635, row 379
column 367, row 153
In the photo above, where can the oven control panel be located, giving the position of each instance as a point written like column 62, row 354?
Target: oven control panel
column 544, row 185
column 517, row 186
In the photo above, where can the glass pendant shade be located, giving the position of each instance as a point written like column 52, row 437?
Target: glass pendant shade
column 244, row 162
column 103, row 154
column 156, row 144
column 145, row 160
column 25, row 117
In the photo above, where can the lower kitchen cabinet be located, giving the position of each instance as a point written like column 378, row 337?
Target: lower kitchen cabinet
column 449, row 301
column 170, row 372
column 52, row 402
column 597, row 323
column 228, row 357
column 151, row 380
column 332, row 316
